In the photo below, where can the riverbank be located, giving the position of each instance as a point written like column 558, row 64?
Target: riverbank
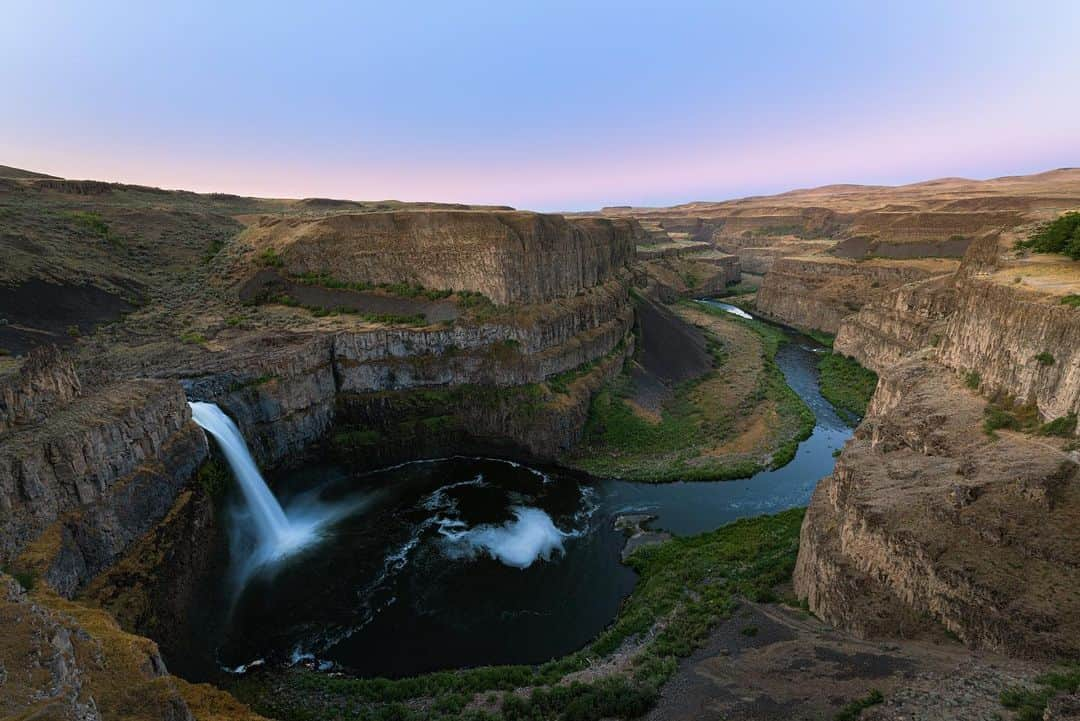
column 730, row 420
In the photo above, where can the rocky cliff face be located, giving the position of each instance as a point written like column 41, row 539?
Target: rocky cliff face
column 282, row 390
column 926, row 517
column 818, row 292
column 44, row 380
column 64, row 661
column 511, row 257
column 77, row 486
column 1002, row 333
column 912, row 317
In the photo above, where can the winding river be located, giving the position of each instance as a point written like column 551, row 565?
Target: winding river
column 469, row 561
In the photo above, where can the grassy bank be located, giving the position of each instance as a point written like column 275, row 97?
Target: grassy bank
column 687, row 586
column 734, row 421
column 846, row 384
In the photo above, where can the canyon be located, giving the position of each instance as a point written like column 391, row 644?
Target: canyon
column 379, row 333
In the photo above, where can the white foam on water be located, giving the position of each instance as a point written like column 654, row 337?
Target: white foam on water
column 519, row 543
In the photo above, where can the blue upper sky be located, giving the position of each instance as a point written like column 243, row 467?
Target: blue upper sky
column 546, row 105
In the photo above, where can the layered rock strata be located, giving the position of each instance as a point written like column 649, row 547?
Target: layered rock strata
column 817, row 292
column 927, row 519
column 511, row 257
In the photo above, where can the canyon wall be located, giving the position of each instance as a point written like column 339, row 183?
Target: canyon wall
column 1020, row 342
column 511, row 257
column 79, row 485
column 819, row 292
column 927, row 520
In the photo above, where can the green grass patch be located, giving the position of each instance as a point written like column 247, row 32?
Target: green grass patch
column 1063, row 427
column 270, row 258
column 973, row 380
column 854, row 710
column 94, row 224
column 846, row 384
column 1029, row 703
column 1072, row 300
column 1045, row 359
column 691, row 583
column 619, row 442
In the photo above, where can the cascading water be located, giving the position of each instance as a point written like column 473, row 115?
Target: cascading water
column 275, row 536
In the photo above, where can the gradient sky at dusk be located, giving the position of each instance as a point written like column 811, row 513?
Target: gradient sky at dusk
column 545, row 105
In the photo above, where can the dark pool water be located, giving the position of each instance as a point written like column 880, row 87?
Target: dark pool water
column 467, row 561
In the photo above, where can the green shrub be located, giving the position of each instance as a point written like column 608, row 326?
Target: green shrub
column 214, row 477
column 270, row 258
column 995, row 418
column 192, row 337
column 1064, row 427
column 1061, row 235
column 26, row 579
column 973, row 380
column 853, row 710
column 1072, row 299
column 73, row 331
column 1045, row 359
column 1028, row 704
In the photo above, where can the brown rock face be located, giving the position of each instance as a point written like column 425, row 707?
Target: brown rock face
column 92, row 476
column 1001, row 332
column 927, row 517
column 511, row 257
column 820, row 292
column 46, row 378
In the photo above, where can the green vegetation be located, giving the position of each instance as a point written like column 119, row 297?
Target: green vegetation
column 94, row 224
column 1028, row 704
column 1063, row 427
column 192, row 337
column 320, row 312
column 1058, row 236
column 214, row 477
column 690, row 584
column 1072, row 300
column 825, row 339
column 621, row 442
column 251, row 382
column 853, row 710
column 846, row 384
column 1045, row 359
column 271, row 259
column 1006, row 413
column 404, row 290
column 973, row 380
column 26, row 579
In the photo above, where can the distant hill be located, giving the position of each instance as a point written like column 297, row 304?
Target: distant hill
column 9, row 172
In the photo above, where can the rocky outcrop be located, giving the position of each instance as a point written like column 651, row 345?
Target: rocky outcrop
column 511, row 257
column 282, row 389
column 816, row 292
column 65, row 661
column 927, row 517
column 897, row 324
column 46, row 379
column 80, row 485
column 1021, row 343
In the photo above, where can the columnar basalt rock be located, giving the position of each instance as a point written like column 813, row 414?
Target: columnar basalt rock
column 926, row 517
column 115, row 458
column 896, row 325
column 819, row 292
column 1021, row 343
column 511, row 257
column 45, row 379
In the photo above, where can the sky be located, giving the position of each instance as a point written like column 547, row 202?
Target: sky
column 544, row 105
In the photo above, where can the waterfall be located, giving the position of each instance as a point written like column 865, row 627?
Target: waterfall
column 275, row 535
